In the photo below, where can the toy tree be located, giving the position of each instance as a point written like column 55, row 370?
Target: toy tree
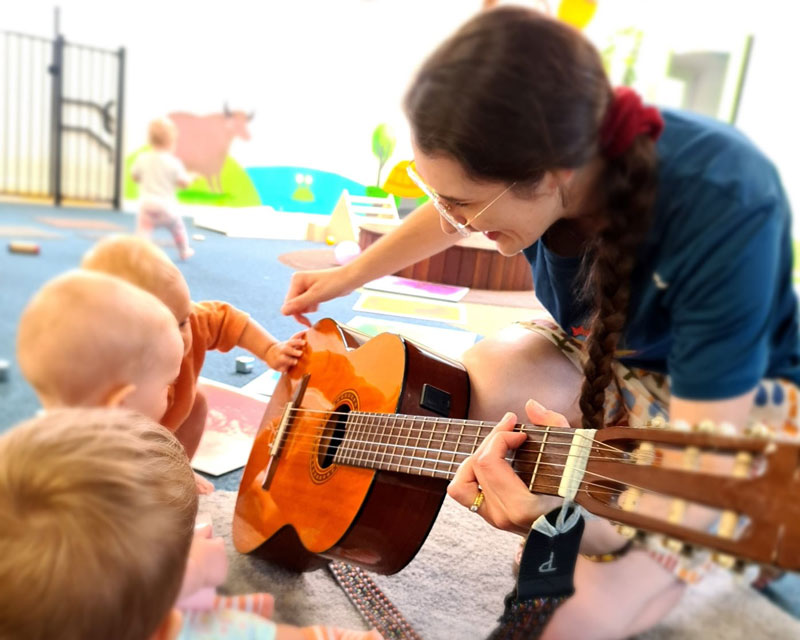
column 383, row 142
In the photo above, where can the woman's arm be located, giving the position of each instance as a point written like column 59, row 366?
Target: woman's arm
column 733, row 411
column 419, row 236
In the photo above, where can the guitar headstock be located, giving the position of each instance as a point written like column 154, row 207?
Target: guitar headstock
column 700, row 487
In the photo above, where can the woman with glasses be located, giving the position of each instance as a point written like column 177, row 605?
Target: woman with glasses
column 660, row 242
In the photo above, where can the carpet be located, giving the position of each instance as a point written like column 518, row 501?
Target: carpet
column 80, row 223
column 439, row 592
column 27, row 232
column 323, row 258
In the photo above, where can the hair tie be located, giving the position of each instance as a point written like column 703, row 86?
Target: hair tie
column 626, row 119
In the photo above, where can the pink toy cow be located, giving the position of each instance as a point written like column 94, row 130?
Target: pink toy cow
column 203, row 141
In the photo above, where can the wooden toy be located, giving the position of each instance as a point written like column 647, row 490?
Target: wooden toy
column 30, row 248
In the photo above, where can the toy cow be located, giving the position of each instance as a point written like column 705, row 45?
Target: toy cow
column 204, row 141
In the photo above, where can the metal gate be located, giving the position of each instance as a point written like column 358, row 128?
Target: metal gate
column 60, row 120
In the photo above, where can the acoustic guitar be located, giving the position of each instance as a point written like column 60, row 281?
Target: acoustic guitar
column 362, row 436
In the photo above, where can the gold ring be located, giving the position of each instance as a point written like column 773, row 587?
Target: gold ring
column 477, row 502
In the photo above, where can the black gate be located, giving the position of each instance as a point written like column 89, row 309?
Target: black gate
column 60, row 120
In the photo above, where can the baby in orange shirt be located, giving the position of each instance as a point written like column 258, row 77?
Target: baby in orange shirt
column 203, row 325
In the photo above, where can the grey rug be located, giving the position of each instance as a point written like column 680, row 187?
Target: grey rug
column 455, row 586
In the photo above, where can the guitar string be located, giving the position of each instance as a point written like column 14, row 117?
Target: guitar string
column 404, row 418
column 420, row 434
column 310, row 437
column 450, row 473
column 531, row 446
column 597, row 488
column 480, row 424
column 447, row 436
column 451, row 422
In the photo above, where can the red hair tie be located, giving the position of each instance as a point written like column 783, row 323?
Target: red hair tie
column 626, row 119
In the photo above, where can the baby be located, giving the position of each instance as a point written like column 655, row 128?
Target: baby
column 159, row 173
column 97, row 511
column 88, row 339
column 203, row 326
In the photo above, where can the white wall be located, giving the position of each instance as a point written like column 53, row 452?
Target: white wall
column 321, row 74
column 770, row 101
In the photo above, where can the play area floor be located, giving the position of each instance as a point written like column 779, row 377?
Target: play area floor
column 246, row 272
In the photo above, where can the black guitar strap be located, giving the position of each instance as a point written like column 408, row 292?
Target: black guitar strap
column 371, row 602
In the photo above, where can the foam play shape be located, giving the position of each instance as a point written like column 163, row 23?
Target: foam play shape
column 400, row 184
column 350, row 213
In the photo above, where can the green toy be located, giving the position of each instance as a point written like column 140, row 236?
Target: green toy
column 383, row 143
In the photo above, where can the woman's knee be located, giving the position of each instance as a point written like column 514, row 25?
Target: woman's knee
column 506, row 370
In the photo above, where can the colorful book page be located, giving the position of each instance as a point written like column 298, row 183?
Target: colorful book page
column 420, row 288
column 448, row 342
column 411, row 307
column 231, row 425
column 263, row 385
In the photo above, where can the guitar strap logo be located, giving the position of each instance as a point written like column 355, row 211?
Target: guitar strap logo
column 549, row 557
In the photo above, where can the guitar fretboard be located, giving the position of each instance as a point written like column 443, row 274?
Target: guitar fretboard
column 435, row 447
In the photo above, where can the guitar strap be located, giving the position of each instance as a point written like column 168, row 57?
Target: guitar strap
column 371, row 602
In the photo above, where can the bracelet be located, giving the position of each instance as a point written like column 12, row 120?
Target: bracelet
column 611, row 555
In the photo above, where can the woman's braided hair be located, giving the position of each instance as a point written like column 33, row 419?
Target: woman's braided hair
column 514, row 94
column 626, row 191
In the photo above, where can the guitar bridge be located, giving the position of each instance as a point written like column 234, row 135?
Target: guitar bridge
column 283, row 428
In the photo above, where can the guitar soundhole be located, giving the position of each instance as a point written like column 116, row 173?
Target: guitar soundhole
column 332, row 435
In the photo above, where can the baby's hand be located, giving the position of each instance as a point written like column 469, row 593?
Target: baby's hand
column 204, row 487
column 206, row 567
column 282, row 356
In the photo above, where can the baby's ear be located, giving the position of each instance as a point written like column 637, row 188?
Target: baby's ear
column 117, row 396
column 170, row 627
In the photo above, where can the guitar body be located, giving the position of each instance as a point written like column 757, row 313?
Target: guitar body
column 316, row 509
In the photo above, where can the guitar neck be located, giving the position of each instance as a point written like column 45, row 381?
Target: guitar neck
column 435, row 447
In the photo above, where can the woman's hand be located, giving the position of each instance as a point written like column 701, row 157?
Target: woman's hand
column 308, row 288
column 507, row 502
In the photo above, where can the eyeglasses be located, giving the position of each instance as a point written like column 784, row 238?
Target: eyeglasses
column 444, row 208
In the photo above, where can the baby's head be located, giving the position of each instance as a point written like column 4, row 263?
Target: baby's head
column 97, row 512
column 162, row 134
column 88, row 339
column 143, row 264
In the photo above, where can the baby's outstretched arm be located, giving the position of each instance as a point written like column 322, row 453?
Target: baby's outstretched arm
column 278, row 355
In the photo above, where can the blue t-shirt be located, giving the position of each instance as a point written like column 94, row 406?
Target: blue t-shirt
column 712, row 302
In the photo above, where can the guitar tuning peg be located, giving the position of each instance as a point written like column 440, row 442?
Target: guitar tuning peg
column 745, row 573
column 680, row 425
column 626, row 531
column 674, row 545
column 657, row 422
column 706, row 426
column 758, row 430
column 689, row 551
column 727, row 429
column 724, row 560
